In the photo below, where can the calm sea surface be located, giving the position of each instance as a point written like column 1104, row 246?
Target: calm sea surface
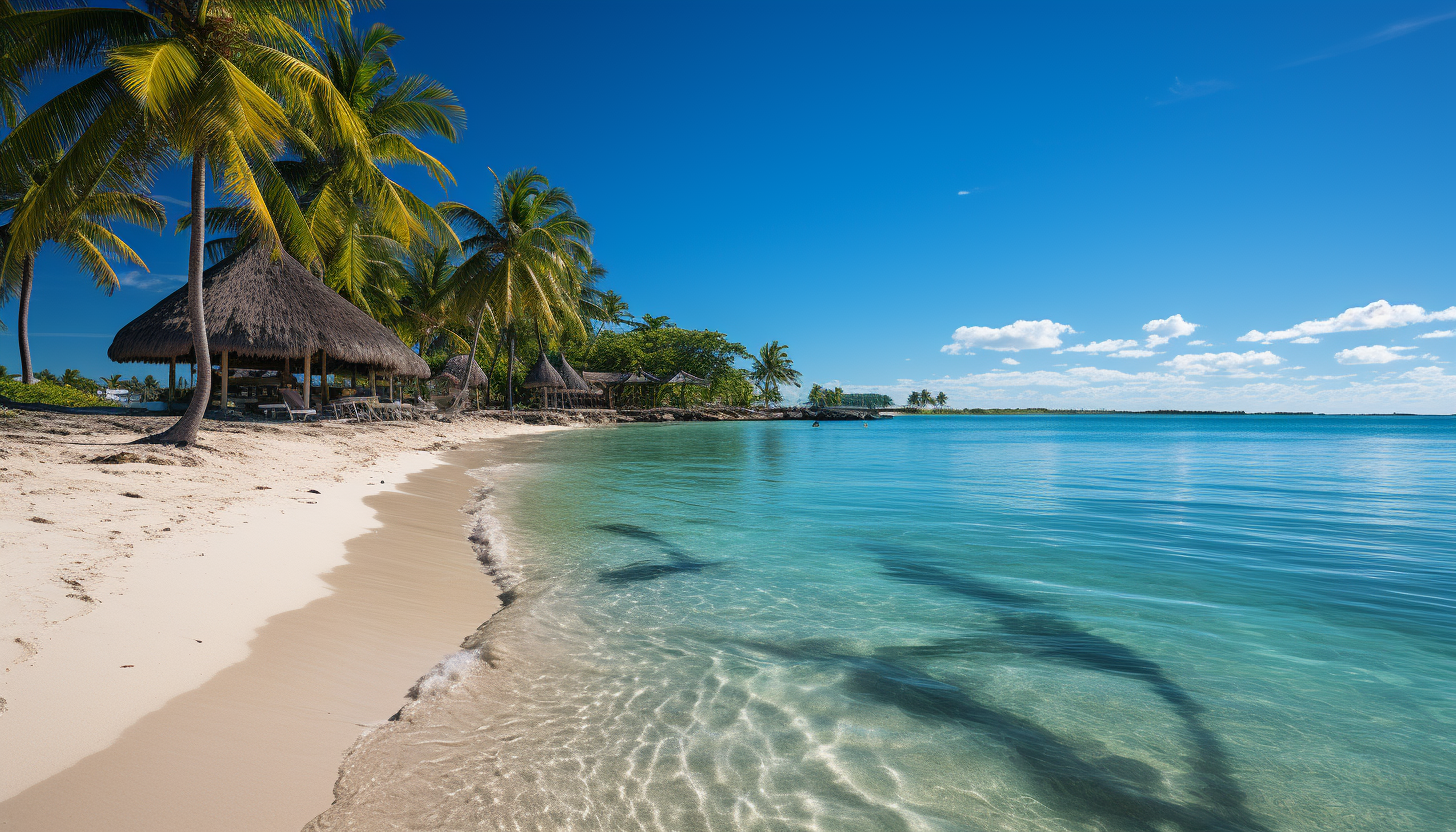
column 950, row 623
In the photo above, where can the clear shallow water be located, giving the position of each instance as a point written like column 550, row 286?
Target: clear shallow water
column 950, row 623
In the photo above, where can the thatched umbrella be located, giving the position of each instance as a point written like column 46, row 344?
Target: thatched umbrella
column 544, row 376
column 575, row 384
column 684, row 378
column 455, row 369
column 268, row 311
column 637, row 377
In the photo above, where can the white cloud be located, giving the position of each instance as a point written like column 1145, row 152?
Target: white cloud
column 1010, row 361
column 962, row 193
column 1438, row 333
column 1208, row 362
column 1391, row 32
column 1163, row 330
column 1137, row 353
column 1200, row 342
column 173, row 200
column 1377, row 354
column 1022, row 335
column 1303, row 339
column 1110, row 345
column 137, row 279
column 1378, row 315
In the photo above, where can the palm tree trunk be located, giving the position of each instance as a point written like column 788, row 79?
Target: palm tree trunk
column 511, row 370
column 185, row 431
column 27, row 279
column 464, row 391
column 494, row 356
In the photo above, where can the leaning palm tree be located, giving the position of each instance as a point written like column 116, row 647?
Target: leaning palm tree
column 79, row 223
column 527, row 262
column 215, row 78
column 357, row 220
column 772, row 367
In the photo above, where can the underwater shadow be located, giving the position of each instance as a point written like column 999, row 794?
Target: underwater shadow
column 1028, row 626
column 679, row 561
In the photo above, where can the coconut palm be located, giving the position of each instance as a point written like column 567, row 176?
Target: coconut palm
column 356, row 218
column 651, row 322
column 613, row 310
column 79, row 223
column 526, row 263
column 215, row 78
column 940, row 399
column 772, row 367
column 110, row 382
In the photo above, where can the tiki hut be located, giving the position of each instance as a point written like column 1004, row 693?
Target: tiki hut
column 454, row 371
column 267, row 314
column 577, row 388
column 544, row 377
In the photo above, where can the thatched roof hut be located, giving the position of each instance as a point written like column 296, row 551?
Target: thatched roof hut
column 455, row 369
column 603, row 379
column 260, row 308
column 573, row 379
column 544, row 375
column 639, row 377
column 684, row 377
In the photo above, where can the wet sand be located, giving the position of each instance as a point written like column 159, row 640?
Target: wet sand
column 258, row 746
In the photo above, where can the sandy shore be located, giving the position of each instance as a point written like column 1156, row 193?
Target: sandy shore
column 192, row 639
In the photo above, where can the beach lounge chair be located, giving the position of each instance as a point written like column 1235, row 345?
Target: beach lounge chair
column 295, row 405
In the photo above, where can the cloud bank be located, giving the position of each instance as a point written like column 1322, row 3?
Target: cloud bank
column 1377, row 315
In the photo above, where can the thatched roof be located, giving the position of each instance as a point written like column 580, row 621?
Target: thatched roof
column 259, row 307
column 684, row 377
column 573, row 379
column 607, row 379
column 544, row 375
column 639, row 377
column 455, row 369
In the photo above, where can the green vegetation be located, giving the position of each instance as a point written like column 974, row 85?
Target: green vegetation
column 772, row 367
column 46, row 392
column 299, row 114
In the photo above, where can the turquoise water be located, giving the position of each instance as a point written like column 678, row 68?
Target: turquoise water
column 951, row 623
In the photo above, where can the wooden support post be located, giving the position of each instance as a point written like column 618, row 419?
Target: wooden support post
column 391, row 386
column 373, row 386
column 307, row 380
column 172, row 380
column 324, row 378
column 222, row 403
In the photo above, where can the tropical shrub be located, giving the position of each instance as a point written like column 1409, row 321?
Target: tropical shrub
column 46, row 392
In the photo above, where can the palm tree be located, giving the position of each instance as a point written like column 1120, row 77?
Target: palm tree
column 110, row 382
column 613, row 310
column 940, row 399
column 651, row 322
column 913, row 400
column 205, row 75
column 80, row 223
column 528, row 262
column 772, row 367
column 357, row 221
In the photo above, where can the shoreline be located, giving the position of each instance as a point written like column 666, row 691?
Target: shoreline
column 225, row 630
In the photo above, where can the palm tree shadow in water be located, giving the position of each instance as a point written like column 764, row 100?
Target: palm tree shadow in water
column 679, row 561
column 1029, row 627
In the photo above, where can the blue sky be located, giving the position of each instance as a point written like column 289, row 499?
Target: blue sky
column 889, row 189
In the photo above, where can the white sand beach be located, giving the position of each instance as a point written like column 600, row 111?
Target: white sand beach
column 192, row 638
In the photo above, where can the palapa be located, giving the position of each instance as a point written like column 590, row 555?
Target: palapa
column 259, row 307
column 544, row 375
column 684, row 377
column 573, row 379
column 455, row 369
